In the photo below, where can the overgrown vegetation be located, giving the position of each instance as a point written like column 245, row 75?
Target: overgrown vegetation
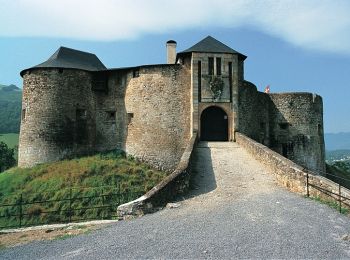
column 7, row 159
column 73, row 178
column 10, row 108
column 339, row 172
column 12, row 142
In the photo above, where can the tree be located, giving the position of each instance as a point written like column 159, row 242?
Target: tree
column 7, row 159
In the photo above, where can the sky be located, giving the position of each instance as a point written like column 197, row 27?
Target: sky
column 291, row 45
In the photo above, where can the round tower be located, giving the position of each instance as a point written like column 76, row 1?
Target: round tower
column 57, row 115
column 298, row 128
column 58, row 108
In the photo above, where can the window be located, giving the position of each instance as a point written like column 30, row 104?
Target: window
column 199, row 81
column 130, row 117
column 111, row 115
column 81, row 114
column 211, row 66
column 136, row 73
column 218, row 66
column 230, row 79
column 23, row 114
column 284, row 126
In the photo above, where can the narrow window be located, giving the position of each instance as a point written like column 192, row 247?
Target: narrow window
column 319, row 128
column 136, row 73
column 284, row 126
column 199, row 81
column 211, row 66
column 111, row 115
column 81, row 114
column 23, row 114
column 130, row 117
column 230, row 79
column 218, row 66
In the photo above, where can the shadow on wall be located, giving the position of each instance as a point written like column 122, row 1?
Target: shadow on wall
column 203, row 180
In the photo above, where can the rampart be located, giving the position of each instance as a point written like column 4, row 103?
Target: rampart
column 293, row 176
column 177, row 183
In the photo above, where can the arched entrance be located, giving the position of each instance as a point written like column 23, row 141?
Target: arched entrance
column 214, row 124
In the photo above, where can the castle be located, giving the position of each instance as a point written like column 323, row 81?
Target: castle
column 73, row 105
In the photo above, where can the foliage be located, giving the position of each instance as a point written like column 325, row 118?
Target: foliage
column 339, row 172
column 10, row 109
column 216, row 86
column 86, row 177
column 7, row 159
column 12, row 142
column 331, row 204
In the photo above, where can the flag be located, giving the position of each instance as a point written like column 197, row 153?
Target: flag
column 267, row 89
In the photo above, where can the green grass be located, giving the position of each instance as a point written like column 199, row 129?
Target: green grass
column 331, row 203
column 44, row 182
column 12, row 142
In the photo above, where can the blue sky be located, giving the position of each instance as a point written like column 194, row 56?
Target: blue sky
column 291, row 45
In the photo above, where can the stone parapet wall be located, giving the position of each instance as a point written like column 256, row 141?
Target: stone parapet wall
column 176, row 183
column 292, row 175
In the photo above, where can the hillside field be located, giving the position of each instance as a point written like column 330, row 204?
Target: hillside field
column 83, row 179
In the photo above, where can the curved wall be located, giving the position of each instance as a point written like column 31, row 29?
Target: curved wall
column 296, row 124
column 57, row 116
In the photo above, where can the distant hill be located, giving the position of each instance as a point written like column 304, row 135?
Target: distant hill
column 339, row 141
column 10, row 108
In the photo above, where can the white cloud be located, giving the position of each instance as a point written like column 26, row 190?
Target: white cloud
column 315, row 24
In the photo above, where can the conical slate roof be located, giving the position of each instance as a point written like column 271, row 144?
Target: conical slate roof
column 72, row 59
column 211, row 45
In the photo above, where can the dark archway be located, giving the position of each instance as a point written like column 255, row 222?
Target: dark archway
column 214, row 124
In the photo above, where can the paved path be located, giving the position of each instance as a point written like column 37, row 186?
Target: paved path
column 235, row 211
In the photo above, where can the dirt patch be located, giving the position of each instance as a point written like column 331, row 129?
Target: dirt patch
column 12, row 239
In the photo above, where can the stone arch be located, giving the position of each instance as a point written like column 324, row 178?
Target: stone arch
column 214, row 124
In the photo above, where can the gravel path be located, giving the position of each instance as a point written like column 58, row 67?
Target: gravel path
column 235, row 211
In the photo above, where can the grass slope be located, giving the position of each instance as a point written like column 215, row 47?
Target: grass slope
column 51, row 182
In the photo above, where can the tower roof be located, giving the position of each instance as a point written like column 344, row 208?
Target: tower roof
column 72, row 59
column 211, row 45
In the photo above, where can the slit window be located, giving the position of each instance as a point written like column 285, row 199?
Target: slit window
column 218, row 66
column 81, row 114
column 284, row 126
column 199, row 81
column 211, row 66
column 111, row 115
column 130, row 117
column 23, row 114
column 136, row 73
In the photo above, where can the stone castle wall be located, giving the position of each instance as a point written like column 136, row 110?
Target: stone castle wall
column 296, row 125
column 58, row 116
column 253, row 113
column 144, row 111
column 289, row 123
column 158, row 110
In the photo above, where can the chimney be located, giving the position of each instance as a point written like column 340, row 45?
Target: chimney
column 171, row 51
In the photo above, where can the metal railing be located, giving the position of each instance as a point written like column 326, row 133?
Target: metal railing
column 336, row 196
column 81, row 204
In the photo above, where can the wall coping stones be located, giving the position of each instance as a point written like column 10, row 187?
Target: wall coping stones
column 174, row 184
column 292, row 175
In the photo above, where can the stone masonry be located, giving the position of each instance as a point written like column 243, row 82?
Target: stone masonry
column 73, row 105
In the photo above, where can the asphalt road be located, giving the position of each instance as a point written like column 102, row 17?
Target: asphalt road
column 236, row 211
